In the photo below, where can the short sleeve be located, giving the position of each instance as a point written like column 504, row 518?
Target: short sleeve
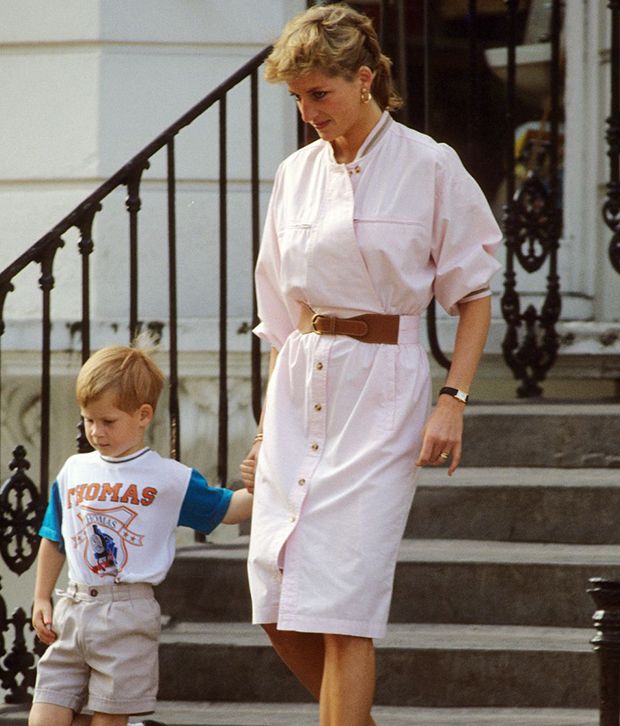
column 275, row 323
column 203, row 506
column 52, row 521
column 465, row 235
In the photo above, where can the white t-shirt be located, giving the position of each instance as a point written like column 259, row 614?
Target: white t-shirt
column 115, row 518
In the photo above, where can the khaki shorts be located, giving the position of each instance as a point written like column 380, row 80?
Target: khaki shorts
column 105, row 656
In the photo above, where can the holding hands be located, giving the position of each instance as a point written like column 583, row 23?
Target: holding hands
column 248, row 465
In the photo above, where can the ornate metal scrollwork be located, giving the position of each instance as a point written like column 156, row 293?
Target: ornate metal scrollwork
column 531, row 223
column 20, row 516
column 531, row 220
column 17, row 666
column 533, row 226
column 611, row 215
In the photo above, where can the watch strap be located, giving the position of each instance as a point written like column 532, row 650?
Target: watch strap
column 455, row 393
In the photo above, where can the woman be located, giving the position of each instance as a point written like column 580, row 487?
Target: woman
column 370, row 220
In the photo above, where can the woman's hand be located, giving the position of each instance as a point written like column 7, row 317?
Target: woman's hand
column 42, row 621
column 248, row 467
column 443, row 434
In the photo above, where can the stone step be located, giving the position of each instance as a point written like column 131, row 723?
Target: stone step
column 450, row 581
column 184, row 713
column 518, row 504
column 430, row 666
column 542, row 434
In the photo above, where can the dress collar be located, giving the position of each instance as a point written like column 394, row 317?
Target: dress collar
column 376, row 134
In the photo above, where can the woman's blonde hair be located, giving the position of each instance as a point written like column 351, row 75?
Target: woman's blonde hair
column 127, row 372
column 335, row 40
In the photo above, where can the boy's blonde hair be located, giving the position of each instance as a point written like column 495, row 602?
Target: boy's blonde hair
column 128, row 372
column 335, row 40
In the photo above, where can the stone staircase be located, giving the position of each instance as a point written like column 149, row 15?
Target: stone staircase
column 491, row 620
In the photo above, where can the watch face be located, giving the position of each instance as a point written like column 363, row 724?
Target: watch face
column 461, row 396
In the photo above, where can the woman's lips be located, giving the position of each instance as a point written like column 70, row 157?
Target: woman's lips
column 321, row 125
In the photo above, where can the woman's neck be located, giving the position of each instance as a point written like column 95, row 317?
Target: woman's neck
column 346, row 147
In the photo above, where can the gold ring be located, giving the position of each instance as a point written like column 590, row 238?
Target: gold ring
column 444, row 455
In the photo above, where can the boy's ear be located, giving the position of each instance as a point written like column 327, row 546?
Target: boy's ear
column 145, row 414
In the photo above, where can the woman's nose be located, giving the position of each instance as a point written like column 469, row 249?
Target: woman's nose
column 307, row 111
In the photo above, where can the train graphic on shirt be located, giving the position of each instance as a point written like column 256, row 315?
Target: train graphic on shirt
column 105, row 538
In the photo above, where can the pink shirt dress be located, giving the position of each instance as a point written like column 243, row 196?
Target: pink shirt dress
column 343, row 418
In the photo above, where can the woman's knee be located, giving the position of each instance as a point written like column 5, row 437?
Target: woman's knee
column 343, row 644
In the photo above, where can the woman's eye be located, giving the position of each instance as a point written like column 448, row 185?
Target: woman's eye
column 319, row 94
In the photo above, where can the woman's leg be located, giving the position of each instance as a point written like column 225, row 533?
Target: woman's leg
column 303, row 653
column 348, row 681
column 338, row 670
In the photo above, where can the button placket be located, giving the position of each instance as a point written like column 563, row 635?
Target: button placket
column 315, row 430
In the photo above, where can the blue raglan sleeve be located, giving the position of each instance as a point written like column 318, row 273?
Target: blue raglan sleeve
column 204, row 506
column 52, row 520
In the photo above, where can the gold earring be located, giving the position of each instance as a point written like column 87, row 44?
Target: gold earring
column 365, row 95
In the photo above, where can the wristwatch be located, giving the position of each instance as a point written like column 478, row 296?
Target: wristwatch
column 455, row 393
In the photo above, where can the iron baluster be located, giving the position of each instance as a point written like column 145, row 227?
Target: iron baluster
column 133, row 204
column 611, row 207
column 85, row 248
column 222, row 457
column 46, row 283
column 473, row 101
column 532, row 223
column 175, row 443
column 431, row 312
column 255, row 350
column 5, row 288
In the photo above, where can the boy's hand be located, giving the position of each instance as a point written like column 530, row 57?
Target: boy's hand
column 42, row 621
column 248, row 467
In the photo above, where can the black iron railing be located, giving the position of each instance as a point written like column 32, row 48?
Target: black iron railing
column 533, row 227
column 611, row 208
column 22, row 501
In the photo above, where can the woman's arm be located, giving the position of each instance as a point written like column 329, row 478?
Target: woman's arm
column 248, row 465
column 444, row 429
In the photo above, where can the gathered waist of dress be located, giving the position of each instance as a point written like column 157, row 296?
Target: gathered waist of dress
column 367, row 328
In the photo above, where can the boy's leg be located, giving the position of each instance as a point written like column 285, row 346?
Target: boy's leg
column 48, row 714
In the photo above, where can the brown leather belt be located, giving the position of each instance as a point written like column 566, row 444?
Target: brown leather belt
column 369, row 327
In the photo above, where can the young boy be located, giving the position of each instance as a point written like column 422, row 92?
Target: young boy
column 112, row 513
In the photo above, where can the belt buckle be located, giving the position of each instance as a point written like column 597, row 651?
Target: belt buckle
column 315, row 317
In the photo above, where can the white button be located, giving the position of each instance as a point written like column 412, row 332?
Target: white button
column 293, row 517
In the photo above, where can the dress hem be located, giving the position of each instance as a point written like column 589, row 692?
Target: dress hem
column 358, row 628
